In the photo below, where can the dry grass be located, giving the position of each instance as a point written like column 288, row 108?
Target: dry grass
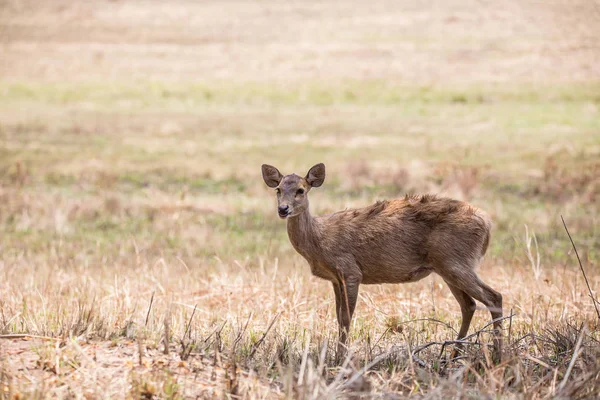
column 108, row 318
column 141, row 255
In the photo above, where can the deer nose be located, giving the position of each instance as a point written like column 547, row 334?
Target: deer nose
column 283, row 210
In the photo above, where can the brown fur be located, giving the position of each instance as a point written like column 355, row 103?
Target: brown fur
column 391, row 241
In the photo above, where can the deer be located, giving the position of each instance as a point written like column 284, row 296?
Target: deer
column 392, row 241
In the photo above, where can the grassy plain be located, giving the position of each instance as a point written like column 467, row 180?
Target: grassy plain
column 133, row 213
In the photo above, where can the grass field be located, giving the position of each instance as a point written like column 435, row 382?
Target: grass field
column 140, row 251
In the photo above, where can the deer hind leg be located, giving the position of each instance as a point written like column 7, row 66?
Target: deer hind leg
column 467, row 309
column 468, row 282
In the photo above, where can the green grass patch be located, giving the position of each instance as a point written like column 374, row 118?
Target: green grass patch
column 174, row 95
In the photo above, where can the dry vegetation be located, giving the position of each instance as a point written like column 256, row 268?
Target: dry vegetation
column 141, row 255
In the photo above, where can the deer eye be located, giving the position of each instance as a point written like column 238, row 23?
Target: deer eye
column 300, row 191
column 278, row 191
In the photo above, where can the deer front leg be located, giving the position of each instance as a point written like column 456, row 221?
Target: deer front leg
column 346, row 295
column 338, row 301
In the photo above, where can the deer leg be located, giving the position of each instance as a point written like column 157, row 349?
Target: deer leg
column 341, row 347
column 468, row 282
column 348, row 295
column 493, row 301
column 467, row 309
column 338, row 302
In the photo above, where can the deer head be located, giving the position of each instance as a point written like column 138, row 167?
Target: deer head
column 292, row 190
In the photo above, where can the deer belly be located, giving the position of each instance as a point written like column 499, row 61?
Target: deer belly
column 400, row 275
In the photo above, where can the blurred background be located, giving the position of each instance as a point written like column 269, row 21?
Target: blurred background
column 151, row 119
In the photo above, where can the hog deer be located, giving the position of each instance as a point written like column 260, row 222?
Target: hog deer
column 391, row 241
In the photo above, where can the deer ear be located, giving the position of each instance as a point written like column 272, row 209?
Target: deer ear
column 316, row 175
column 271, row 175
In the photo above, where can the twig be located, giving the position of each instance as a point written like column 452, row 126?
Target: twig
column 304, row 360
column 231, row 375
column 443, row 344
column 149, row 309
column 167, row 327
column 241, row 333
column 488, row 324
column 576, row 354
column 527, row 335
column 437, row 321
column 25, row 335
column 264, row 335
column 140, row 351
column 421, row 363
column 538, row 361
column 190, row 322
column 378, row 340
column 463, row 340
column 510, row 327
column 217, row 332
column 582, row 270
column 186, row 348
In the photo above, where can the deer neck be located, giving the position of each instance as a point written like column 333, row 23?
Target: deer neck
column 304, row 234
